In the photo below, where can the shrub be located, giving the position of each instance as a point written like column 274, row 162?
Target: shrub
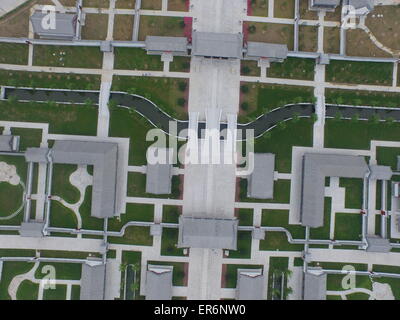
column 181, row 102
column 244, row 89
column 245, row 106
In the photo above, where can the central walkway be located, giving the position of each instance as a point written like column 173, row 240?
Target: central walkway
column 209, row 189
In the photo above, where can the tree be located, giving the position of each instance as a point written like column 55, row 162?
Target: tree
column 245, row 70
column 296, row 117
column 182, row 85
column 339, row 100
column 288, row 291
column 355, row 118
column 282, row 125
column 112, row 104
column 181, row 102
column 123, row 266
column 314, row 117
column 288, row 273
column 244, row 106
column 389, row 121
column 244, row 89
column 338, row 116
column 252, row 28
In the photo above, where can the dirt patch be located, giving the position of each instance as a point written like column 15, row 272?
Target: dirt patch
column 177, row 5
column 125, row 4
column 331, row 40
column 123, row 27
column 305, row 13
column 151, row 4
column 308, row 38
column 271, row 32
column 96, row 4
column 16, row 24
column 359, row 44
column 384, row 23
column 284, row 9
column 95, row 27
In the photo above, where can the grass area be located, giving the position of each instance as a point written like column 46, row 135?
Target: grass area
column 125, row 4
column 357, row 72
column 136, row 59
column 61, row 185
column 10, row 270
column 14, row 53
column 17, row 253
column 331, row 40
column 292, row 68
column 134, row 212
column 281, row 140
column 59, row 293
column 334, row 282
column 28, row 137
column 166, row 93
column 11, row 198
column 357, row 296
column 169, row 241
column 178, row 273
column 243, row 246
column 281, row 192
column 67, row 254
column 67, row 56
column 245, row 217
column 349, row 135
column 323, row 232
column 27, row 290
column 280, row 218
column 308, row 38
column 134, row 235
column 250, row 68
column 258, row 8
column 75, row 292
column 89, row 222
column 231, row 273
column 62, row 217
column 366, row 98
column 151, row 4
column 359, row 44
column 277, row 241
column 98, row 3
column 271, row 33
column 347, row 226
column 260, row 98
column 63, row 271
column 62, row 119
column 137, row 187
column 95, row 27
column 385, row 268
column 354, row 192
column 123, row 27
column 278, row 267
column 49, row 80
column 177, row 5
column 171, row 214
column 180, row 64
column 284, row 9
column 387, row 156
column 160, row 26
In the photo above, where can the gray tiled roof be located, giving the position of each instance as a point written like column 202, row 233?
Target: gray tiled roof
column 207, row 233
column 325, row 3
column 167, row 44
column 314, row 287
column 31, row 229
column 316, row 167
column 261, row 180
column 250, row 284
column 9, row 143
column 380, row 172
column 158, row 175
column 103, row 157
column 266, row 50
column 93, row 282
column 37, row 154
column 359, row 4
column 64, row 27
column 159, row 282
column 378, row 244
column 222, row 45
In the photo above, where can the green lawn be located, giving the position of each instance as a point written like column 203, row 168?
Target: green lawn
column 394, row 284
column 261, row 98
column 334, row 282
column 358, row 72
column 62, row 119
column 134, row 212
column 62, row 217
column 49, row 80
column 354, row 192
column 11, row 198
column 61, row 185
column 277, row 241
column 10, row 270
column 292, row 68
column 169, row 241
column 171, row 214
column 387, row 156
column 281, row 192
column 14, row 53
column 280, row 218
column 347, row 226
column 134, row 235
column 245, row 217
column 67, row 56
column 357, row 135
column 180, row 64
column 136, row 59
column 363, row 98
column 75, row 292
column 164, row 92
column 89, row 222
column 64, row 271
column 280, row 142
column 28, row 137
column 27, row 290
column 323, row 232
column 59, row 293
column 160, row 26
column 243, row 246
